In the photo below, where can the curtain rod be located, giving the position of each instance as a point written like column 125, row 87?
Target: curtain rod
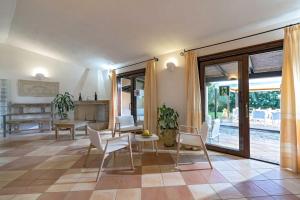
column 155, row 59
column 240, row 38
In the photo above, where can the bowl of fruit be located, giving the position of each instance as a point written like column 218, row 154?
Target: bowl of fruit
column 146, row 133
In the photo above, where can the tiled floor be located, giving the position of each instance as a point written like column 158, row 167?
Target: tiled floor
column 38, row 167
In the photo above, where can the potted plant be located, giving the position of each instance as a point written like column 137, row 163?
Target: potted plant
column 168, row 124
column 63, row 103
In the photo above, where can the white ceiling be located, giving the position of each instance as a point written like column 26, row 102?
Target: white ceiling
column 95, row 33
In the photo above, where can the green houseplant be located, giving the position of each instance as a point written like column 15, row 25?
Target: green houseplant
column 63, row 103
column 168, row 124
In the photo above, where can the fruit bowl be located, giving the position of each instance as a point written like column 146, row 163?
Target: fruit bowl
column 148, row 135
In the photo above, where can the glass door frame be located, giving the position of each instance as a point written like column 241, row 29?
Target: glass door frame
column 132, row 75
column 241, row 55
column 243, row 103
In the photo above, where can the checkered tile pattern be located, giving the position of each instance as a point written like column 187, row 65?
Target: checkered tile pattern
column 39, row 167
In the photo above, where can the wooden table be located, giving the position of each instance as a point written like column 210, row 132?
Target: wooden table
column 72, row 125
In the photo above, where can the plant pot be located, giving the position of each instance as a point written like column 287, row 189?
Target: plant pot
column 169, row 137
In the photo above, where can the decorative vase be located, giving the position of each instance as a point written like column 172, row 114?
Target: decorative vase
column 96, row 96
column 80, row 98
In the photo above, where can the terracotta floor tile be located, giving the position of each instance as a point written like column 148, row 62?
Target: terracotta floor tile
column 103, row 195
column 81, row 195
column 46, row 151
column 172, row 179
column 193, row 177
column 261, row 198
column 226, row 191
column 10, row 175
column 19, row 183
column 151, row 169
column 24, row 163
column 42, row 182
column 271, row 188
column 168, row 168
column 18, row 151
column 12, row 190
column 213, row 176
column 152, row 193
column 195, row 166
column 26, row 197
column 5, row 160
column 160, row 159
column 50, row 174
column 35, row 189
column 60, row 188
column 286, row 197
column 277, row 173
column 167, row 193
column 132, row 194
column 203, row 191
column 3, row 183
column 53, row 196
column 84, row 186
column 6, row 197
column 58, row 162
column 152, row 180
column 108, row 182
column 250, row 189
column 130, row 181
column 292, row 185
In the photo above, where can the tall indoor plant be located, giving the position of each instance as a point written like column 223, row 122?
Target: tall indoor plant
column 63, row 103
column 168, row 124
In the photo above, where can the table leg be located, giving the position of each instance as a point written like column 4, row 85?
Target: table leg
column 85, row 129
column 156, row 148
column 4, row 126
column 141, row 147
column 152, row 145
column 73, row 133
column 50, row 126
column 9, row 128
column 56, row 132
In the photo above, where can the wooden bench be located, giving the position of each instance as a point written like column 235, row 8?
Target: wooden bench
column 19, row 114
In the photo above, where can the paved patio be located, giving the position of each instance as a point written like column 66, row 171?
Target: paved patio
column 264, row 144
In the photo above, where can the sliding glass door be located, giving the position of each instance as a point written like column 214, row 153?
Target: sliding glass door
column 241, row 100
column 225, row 105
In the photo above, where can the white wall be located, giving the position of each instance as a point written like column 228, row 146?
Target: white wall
column 171, row 84
column 18, row 64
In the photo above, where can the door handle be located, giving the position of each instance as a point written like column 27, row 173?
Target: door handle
column 247, row 110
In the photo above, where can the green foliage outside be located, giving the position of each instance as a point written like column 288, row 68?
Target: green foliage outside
column 258, row 99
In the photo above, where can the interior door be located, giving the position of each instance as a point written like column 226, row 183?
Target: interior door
column 131, row 94
column 224, row 88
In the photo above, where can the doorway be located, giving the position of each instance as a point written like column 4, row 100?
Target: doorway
column 240, row 92
column 131, row 94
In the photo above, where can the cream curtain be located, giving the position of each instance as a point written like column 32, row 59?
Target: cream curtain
column 113, row 101
column 150, row 98
column 290, row 101
column 192, row 88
